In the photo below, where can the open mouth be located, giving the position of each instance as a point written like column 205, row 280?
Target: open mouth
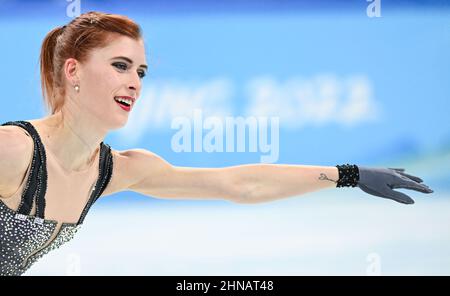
column 123, row 101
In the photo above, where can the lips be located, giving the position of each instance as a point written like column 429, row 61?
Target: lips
column 125, row 99
column 125, row 102
column 132, row 99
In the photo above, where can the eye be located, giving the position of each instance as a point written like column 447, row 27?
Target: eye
column 120, row 66
column 141, row 74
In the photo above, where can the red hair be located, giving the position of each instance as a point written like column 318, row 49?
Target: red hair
column 75, row 40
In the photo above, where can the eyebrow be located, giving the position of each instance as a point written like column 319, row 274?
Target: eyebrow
column 129, row 61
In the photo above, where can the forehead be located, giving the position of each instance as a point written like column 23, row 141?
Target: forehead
column 122, row 46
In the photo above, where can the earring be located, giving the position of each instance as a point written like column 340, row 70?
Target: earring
column 77, row 88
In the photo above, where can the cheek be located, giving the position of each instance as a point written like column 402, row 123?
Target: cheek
column 106, row 81
column 102, row 86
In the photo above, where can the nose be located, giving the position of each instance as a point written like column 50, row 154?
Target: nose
column 133, row 91
column 135, row 84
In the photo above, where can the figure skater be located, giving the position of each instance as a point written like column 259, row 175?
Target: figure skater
column 53, row 169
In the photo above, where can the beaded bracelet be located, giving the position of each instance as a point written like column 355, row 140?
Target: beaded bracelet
column 348, row 175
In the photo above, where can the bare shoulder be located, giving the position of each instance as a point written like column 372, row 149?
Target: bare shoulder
column 16, row 152
column 133, row 165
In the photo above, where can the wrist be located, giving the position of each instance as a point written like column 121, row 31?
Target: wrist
column 348, row 175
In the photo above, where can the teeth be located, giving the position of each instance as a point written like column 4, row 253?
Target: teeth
column 126, row 101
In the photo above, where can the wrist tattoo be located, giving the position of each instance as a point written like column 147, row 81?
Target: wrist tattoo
column 324, row 177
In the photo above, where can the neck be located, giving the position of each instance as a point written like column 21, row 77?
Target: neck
column 74, row 141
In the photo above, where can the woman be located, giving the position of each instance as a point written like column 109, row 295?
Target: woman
column 53, row 169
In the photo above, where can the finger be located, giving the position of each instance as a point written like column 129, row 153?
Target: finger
column 400, row 197
column 388, row 194
column 398, row 170
column 413, row 186
column 414, row 178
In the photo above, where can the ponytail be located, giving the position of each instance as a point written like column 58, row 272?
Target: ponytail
column 48, row 67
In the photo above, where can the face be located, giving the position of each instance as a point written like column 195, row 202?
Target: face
column 110, row 75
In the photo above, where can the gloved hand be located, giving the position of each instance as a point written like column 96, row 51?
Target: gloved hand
column 380, row 182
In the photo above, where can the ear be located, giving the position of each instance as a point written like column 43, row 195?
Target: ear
column 72, row 71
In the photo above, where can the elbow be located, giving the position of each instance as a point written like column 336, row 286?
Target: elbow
column 242, row 189
column 234, row 195
column 231, row 190
column 243, row 194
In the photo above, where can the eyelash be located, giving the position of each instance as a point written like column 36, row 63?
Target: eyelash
column 119, row 65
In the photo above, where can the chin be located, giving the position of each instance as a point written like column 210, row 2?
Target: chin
column 120, row 122
column 113, row 122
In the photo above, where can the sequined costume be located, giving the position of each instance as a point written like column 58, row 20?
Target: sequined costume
column 24, row 238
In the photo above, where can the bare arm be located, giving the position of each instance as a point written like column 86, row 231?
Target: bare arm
column 149, row 174
column 145, row 172
column 268, row 182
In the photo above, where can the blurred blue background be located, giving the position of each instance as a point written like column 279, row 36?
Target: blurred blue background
column 346, row 87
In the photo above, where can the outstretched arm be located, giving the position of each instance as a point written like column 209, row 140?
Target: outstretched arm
column 266, row 182
column 259, row 183
column 147, row 173
column 142, row 171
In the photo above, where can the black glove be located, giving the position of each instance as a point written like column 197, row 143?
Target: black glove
column 380, row 182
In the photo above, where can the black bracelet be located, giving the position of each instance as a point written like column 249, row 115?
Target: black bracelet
column 348, row 175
